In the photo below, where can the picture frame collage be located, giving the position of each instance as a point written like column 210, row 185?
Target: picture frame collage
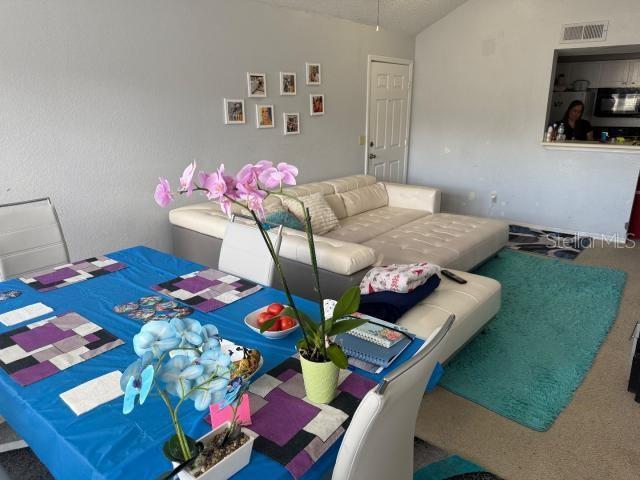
column 235, row 112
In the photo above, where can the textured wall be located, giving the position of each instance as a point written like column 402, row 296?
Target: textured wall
column 98, row 98
column 480, row 96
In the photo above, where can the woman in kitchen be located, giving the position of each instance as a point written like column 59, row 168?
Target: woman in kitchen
column 575, row 127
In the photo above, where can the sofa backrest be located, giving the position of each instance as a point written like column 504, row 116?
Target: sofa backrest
column 347, row 196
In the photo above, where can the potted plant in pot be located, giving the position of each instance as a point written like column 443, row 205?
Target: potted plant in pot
column 320, row 358
column 184, row 359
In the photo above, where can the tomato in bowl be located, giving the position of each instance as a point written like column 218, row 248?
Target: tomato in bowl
column 283, row 326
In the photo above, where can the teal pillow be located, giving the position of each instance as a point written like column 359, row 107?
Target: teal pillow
column 284, row 218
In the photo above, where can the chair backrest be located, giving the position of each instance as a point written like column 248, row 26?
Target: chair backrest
column 378, row 445
column 31, row 238
column 245, row 254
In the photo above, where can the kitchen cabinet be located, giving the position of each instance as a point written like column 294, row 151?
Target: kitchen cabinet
column 615, row 74
column 585, row 71
column 634, row 74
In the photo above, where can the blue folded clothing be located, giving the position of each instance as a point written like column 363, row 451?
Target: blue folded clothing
column 390, row 306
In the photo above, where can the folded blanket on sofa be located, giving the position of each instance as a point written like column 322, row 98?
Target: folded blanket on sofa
column 390, row 306
column 397, row 278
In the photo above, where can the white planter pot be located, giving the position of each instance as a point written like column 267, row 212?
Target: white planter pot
column 229, row 465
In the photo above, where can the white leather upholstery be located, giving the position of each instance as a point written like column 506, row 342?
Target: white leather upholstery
column 368, row 225
column 453, row 241
column 378, row 445
column 244, row 253
column 336, row 256
column 413, row 196
column 352, row 182
column 473, row 304
column 365, row 199
column 31, row 238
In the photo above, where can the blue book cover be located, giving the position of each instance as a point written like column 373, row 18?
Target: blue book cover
column 370, row 352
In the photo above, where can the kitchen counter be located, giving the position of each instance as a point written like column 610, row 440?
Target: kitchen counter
column 586, row 146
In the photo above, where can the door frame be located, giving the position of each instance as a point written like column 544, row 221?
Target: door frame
column 397, row 61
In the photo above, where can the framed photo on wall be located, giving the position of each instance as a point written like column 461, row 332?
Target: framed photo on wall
column 256, row 84
column 287, row 83
column 291, row 123
column 316, row 104
column 264, row 116
column 234, row 113
column 314, row 75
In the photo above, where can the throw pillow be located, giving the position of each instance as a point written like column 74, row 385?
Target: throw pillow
column 323, row 220
column 284, row 218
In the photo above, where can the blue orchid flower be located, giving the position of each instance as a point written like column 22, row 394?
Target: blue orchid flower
column 136, row 380
column 234, row 393
column 211, row 390
column 214, row 361
column 188, row 330
column 155, row 337
column 210, row 338
column 179, row 373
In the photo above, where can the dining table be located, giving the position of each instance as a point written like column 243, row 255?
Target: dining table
column 103, row 443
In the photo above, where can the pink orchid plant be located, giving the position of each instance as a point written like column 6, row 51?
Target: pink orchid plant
column 248, row 189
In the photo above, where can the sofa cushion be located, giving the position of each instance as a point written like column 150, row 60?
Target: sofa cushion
column 323, row 219
column 367, row 225
column 345, row 184
column 365, row 199
column 271, row 204
column 452, row 241
column 284, row 218
column 473, row 304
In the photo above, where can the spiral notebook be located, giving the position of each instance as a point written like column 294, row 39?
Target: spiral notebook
column 370, row 352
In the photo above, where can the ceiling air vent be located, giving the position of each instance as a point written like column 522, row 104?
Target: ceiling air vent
column 584, row 32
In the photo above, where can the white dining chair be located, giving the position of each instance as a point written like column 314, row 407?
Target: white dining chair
column 31, row 238
column 378, row 445
column 245, row 254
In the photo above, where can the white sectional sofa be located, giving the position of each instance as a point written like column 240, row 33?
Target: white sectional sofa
column 380, row 223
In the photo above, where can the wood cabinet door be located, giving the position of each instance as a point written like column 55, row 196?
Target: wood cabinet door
column 615, row 74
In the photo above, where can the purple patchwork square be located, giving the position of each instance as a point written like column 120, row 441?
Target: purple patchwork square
column 287, row 374
column 41, row 336
column 357, row 385
column 56, row 276
column 282, row 417
column 194, row 284
column 300, row 464
column 209, row 305
column 92, row 337
column 32, row 374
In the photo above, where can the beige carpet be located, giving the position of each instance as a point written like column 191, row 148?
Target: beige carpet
column 596, row 437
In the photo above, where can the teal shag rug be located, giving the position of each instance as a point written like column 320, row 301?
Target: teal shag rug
column 530, row 359
column 453, row 467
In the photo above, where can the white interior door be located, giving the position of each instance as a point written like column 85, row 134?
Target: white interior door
column 387, row 142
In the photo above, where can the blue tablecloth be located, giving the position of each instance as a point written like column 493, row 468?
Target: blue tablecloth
column 104, row 443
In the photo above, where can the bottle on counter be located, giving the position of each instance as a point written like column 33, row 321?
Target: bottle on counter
column 550, row 134
column 561, row 136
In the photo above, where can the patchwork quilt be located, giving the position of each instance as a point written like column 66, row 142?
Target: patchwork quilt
column 292, row 430
column 207, row 290
column 65, row 275
column 42, row 349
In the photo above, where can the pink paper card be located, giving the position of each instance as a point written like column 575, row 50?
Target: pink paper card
column 218, row 417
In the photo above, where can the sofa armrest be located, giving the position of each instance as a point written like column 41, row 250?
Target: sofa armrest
column 413, row 196
column 343, row 258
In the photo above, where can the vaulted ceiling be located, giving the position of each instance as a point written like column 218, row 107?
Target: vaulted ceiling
column 407, row 16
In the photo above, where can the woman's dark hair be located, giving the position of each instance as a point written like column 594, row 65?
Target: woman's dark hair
column 572, row 105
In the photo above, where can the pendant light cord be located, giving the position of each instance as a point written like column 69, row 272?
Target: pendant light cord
column 378, row 18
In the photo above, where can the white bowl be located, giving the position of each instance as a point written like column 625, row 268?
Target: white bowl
column 252, row 322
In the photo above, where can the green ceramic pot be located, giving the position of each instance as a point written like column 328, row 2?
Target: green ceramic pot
column 320, row 380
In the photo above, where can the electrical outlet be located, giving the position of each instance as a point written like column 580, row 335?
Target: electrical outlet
column 494, row 196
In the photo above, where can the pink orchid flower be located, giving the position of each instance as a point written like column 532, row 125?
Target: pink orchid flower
column 214, row 183
column 275, row 177
column 250, row 173
column 186, row 180
column 253, row 197
column 162, row 195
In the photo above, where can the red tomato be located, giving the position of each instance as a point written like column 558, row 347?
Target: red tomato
column 263, row 317
column 275, row 308
column 286, row 322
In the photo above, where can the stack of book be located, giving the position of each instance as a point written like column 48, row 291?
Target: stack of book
column 374, row 345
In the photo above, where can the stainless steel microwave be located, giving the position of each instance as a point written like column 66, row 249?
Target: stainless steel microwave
column 617, row 102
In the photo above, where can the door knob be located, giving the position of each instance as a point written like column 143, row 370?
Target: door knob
column 372, row 156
